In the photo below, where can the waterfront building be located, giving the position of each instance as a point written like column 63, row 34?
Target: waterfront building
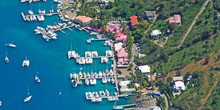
column 83, row 19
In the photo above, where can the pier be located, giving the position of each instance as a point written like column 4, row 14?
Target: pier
column 47, row 14
column 105, row 97
column 66, row 27
column 94, row 57
column 94, row 78
column 114, row 71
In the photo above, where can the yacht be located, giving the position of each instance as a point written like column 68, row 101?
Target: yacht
column 107, row 72
column 26, row 63
column 74, row 83
column 113, row 80
column 82, row 61
column 108, row 53
column 37, row 31
column 10, row 45
column 89, row 60
column 100, row 74
column 111, row 72
column 103, row 74
column 88, row 54
column 29, row 1
column 71, row 53
column 74, row 76
column 51, row 35
column 92, row 75
column 107, row 43
column 102, row 93
column 28, row 98
column 88, row 75
column 55, row 1
column 89, row 95
column 78, row 27
column 96, row 99
column 80, row 74
column 92, row 81
column 6, row 59
column 107, row 92
column 96, row 75
column 94, row 54
column 108, row 79
column 84, row 75
column 22, row 1
column 40, row 17
column 87, row 81
column 104, row 59
column 113, row 98
column 0, row 103
column 104, row 80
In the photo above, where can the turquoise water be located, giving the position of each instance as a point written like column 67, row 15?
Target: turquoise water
column 50, row 59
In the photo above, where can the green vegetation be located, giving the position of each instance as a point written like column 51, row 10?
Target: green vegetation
column 197, row 90
column 161, row 101
column 139, row 78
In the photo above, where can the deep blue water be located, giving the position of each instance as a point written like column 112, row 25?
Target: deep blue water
column 49, row 59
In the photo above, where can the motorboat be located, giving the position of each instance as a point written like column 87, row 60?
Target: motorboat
column 88, row 54
column 117, row 107
column 10, row 45
column 71, row 76
column 55, row 1
column 89, row 95
column 51, row 35
column 74, row 83
column 87, row 81
column 104, row 80
column 107, row 92
column 102, row 93
column 29, row 1
column 37, row 79
column 93, row 81
column 26, row 63
column 28, row 98
column 107, row 72
column 100, row 74
column 94, row 54
column 30, row 12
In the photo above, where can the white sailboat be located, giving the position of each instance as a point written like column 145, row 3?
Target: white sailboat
column 6, row 58
column 37, row 79
column 28, row 98
column 26, row 62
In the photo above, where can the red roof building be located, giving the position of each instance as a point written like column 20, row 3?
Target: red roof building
column 134, row 20
column 175, row 19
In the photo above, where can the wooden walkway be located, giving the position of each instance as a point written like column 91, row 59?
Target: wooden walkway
column 95, row 57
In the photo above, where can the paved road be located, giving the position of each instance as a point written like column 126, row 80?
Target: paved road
column 194, row 21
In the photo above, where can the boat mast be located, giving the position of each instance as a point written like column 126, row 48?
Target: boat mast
column 28, row 91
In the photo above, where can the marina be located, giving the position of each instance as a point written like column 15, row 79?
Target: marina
column 27, row 17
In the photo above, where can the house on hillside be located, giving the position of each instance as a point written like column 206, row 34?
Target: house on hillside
column 178, row 84
column 175, row 19
column 155, row 33
column 83, row 19
column 150, row 14
column 146, row 70
column 134, row 20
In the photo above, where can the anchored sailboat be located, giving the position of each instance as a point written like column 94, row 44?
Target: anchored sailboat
column 28, row 98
